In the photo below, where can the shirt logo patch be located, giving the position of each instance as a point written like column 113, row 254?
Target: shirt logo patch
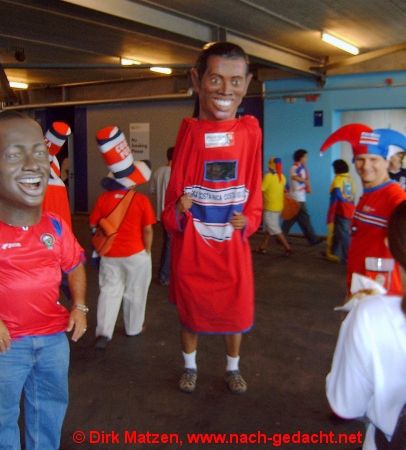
column 8, row 245
column 48, row 240
column 368, row 209
column 213, row 140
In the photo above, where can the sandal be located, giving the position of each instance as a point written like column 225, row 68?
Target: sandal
column 187, row 382
column 262, row 251
column 235, row 382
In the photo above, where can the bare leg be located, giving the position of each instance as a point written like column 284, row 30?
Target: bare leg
column 233, row 344
column 187, row 382
column 233, row 378
column 284, row 242
column 264, row 244
column 189, row 341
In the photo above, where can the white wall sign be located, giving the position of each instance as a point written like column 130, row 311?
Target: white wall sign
column 139, row 140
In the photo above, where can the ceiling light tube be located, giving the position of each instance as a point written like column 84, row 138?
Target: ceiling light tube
column 18, row 85
column 129, row 62
column 165, row 70
column 339, row 43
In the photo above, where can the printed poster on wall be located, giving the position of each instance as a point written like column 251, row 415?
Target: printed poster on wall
column 139, row 140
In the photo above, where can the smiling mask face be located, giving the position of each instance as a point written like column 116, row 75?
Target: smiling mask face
column 24, row 164
column 221, row 88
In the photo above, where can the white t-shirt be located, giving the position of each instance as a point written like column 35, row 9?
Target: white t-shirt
column 368, row 374
column 298, row 188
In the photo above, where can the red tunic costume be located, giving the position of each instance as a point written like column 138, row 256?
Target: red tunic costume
column 31, row 260
column 369, row 230
column 218, row 164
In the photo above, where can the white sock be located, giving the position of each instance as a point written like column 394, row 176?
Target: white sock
column 232, row 363
column 190, row 360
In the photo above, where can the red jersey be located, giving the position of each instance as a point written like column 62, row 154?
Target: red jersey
column 218, row 164
column 140, row 213
column 369, row 230
column 31, row 260
column 56, row 201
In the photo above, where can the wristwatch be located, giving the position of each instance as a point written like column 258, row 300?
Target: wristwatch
column 82, row 308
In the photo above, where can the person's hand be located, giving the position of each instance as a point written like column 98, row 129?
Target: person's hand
column 184, row 203
column 5, row 339
column 77, row 323
column 238, row 221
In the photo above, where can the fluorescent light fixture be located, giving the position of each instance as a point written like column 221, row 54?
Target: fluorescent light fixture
column 129, row 62
column 165, row 70
column 339, row 43
column 18, row 85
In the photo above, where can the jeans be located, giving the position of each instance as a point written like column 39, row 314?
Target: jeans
column 341, row 238
column 36, row 366
column 303, row 219
column 164, row 267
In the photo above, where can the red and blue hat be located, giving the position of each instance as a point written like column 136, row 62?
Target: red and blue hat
column 364, row 140
column 276, row 165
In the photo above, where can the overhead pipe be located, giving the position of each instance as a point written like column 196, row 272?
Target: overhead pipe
column 151, row 98
column 304, row 93
column 89, row 66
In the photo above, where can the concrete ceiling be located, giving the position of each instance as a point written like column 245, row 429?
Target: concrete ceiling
column 50, row 43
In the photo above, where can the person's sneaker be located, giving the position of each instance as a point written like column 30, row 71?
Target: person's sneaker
column 235, row 382
column 187, row 382
column 101, row 342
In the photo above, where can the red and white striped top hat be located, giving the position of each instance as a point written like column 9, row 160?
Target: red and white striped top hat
column 55, row 137
column 119, row 159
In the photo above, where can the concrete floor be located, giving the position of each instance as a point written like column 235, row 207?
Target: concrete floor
column 132, row 386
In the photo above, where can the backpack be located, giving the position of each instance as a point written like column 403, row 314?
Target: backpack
column 108, row 226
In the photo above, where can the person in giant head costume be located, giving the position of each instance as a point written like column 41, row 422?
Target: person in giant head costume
column 56, row 196
column 213, row 203
column 36, row 247
column 368, row 253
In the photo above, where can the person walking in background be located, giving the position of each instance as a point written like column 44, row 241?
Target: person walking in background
column 125, row 270
column 159, row 184
column 367, row 377
column 273, row 190
column 213, row 204
column 340, row 213
column 35, row 247
column 299, row 188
